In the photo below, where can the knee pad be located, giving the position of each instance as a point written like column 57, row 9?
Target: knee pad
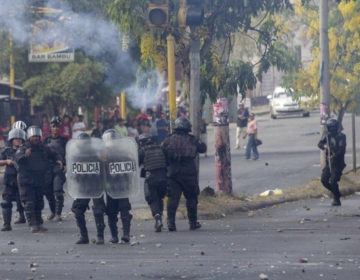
column 124, row 205
column 98, row 210
column 79, row 207
column 40, row 205
column 125, row 215
column 6, row 204
column 29, row 206
column 59, row 198
column 191, row 203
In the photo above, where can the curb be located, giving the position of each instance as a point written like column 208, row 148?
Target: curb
column 312, row 190
column 262, row 113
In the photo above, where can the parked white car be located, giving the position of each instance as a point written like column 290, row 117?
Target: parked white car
column 283, row 104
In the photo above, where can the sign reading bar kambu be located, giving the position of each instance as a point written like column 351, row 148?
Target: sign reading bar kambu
column 49, row 42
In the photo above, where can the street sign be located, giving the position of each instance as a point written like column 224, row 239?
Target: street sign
column 49, row 42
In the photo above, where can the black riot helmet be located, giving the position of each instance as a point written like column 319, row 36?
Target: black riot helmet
column 17, row 133
column 110, row 134
column 145, row 139
column 83, row 136
column 332, row 126
column 55, row 121
column 34, row 130
column 182, row 124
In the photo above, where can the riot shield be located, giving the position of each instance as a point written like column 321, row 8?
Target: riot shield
column 121, row 168
column 85, row 168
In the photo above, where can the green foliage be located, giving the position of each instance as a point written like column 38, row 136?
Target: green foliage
column 216, row 83
column 69, row 85
column 223, row 18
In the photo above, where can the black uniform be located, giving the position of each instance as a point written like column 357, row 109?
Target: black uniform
column 34, row 174
column 154, row 171
column 180, row 150
column 11, row 190
column 54, row 191
column 335, row 162
column 112, row 207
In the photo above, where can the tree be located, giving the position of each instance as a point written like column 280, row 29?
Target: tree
column 66, row 86
column 223, row 18
column 344, row 46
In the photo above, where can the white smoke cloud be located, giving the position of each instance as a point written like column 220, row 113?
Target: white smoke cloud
column 94, row 35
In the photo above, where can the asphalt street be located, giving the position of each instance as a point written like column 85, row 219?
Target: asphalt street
column 289, row 148
column 302, row 240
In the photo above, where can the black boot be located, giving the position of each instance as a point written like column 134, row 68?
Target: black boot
column 112, row 221
column 31, row 219
column 171, row 221
column 100, row 227
column 158, row 223
column 52, row 207
column 191, row 205
column 81, row 223
column 126, row 223
column 336, row 194
column 336, row 201
column 59, row 204
column 7, row 212
column 40, row 221
column 21, row 219
column 194, row 225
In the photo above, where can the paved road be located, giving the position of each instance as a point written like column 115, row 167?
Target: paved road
column 269, row 241
column 290, row 149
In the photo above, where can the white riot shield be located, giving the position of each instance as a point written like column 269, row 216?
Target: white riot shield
column 121, row 168
column 85, row 169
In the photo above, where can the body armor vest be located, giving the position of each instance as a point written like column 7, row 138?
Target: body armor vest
column 37, row 161
column 181, row 147
column 9, row 153
column 56, row 145
column 154, row 158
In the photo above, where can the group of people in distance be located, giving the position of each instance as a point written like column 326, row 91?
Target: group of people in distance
column 36, row 167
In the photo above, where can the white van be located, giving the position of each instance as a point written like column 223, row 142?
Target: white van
column 283, row 104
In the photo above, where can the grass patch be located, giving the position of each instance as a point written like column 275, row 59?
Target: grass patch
column 220, row 205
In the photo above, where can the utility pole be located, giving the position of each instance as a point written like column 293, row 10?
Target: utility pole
column 353, row 140
column 122, row 104
column 195, row 99
column 222, row 147
column 171, row 79
column 12, row 78
column 324, row 69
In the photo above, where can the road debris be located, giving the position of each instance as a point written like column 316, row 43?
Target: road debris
column 272, row 192
column 15, row 250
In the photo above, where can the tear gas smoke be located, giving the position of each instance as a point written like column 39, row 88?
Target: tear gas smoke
column 94, row 35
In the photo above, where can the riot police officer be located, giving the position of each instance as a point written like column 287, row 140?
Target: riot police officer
column 80, row 205
column 54, row 191
column 181, row 150
column 154, row 171
column 334, row 144
column 33, row 159
column 116, row 205
column 20, row 125
column 112, row 207
column 11, row 191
